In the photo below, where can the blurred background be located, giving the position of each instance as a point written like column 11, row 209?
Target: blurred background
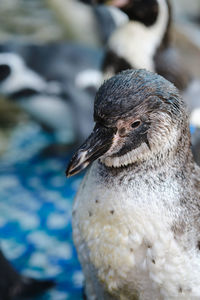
column 45, row 114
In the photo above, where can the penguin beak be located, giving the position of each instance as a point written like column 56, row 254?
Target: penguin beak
column 95, row 146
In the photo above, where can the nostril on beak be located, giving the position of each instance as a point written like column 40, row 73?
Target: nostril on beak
column 122, row 132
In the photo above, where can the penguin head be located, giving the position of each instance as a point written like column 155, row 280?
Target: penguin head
column 17, row 81
column 138, row 115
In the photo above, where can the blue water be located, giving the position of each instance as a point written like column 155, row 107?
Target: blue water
column 35, row 213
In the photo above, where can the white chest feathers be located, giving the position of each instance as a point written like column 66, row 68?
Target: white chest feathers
column 126, row 236
column 138, row 43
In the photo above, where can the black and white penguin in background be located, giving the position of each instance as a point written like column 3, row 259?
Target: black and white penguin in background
column 15, row 286
column 143, row 41
column 40, row 79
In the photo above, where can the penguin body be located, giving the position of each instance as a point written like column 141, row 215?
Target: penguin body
column 135, row 223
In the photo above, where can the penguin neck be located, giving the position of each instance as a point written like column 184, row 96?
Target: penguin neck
column 137, row 43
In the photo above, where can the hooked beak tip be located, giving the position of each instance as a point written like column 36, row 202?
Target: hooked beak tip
column 68, row 173
column 71, row 170
column 77, row 164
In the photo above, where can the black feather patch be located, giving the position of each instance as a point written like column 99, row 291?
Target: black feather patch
column 114, row 62
column 4, row 71
column 23, row 93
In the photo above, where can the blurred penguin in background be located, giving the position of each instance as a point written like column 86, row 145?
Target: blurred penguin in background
column 15, row 286
column 40, row 79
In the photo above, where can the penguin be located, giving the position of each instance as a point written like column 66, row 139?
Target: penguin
column 136, row 213
column 15, row 286
column 40, row 79
column 144, row 41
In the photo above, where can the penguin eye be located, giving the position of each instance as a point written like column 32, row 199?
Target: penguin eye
column 136, row 124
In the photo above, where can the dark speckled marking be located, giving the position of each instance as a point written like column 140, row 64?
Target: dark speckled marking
column 121, row 179
column 131, row 249
column 96, row 201
column 180, row 290
column 90, row 214
column 180, row 175
column 153, row 261
column 73, row 213
column 198, row 245
column 161, row 177
column 112, row 212
column 178, row 228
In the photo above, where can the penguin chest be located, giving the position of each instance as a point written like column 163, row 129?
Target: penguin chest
column 130, row 244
